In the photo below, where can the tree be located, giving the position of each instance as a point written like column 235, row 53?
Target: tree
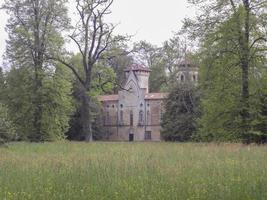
column 57, row 105
column 34, row 29
column 18, row 101
column 151, row 56
column 93, row 36
column 221, row 78
column 174, row 51
column 118, row 57
column 158, row 80
column 103, row 80
column 6, row 132
column 246, row 21
column 181, row 113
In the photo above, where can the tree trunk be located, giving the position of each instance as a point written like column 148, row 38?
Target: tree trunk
column 245, row 75
column 245, row 103
column 37, row 135
column 86, row 117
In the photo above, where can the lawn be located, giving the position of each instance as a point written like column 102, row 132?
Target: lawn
column 62, row 171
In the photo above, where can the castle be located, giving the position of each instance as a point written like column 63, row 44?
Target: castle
column 134, row 114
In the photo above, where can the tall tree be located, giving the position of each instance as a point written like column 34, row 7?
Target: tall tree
column 34, row 29
column 146, row 53
column 93, row 36
column 56, row 103
column 181, row 112
column 248, row 36
column 6, row 131
column 103, row 80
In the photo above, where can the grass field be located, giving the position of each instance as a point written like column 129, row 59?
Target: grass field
column 55, row 171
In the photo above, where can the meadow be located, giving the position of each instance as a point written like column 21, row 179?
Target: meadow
column 107, row 171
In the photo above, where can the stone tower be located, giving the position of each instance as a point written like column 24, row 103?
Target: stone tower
column 187, row 72
column 142, row 75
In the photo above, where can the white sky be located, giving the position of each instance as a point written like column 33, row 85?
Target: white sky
column 150, row 20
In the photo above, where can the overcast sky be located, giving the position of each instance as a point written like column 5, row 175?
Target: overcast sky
column 150, row 20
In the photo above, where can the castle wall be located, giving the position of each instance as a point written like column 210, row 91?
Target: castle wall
column 133, row 114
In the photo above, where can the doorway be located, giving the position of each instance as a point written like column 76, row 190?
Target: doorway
column 148, row 135
column 131, row 137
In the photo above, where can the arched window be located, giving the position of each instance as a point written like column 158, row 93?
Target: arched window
column 148, row 118
column 141, row 117
column 161, row 115
column 182, row 78
column 121, row 116
column 131, row 118
column 107, row 119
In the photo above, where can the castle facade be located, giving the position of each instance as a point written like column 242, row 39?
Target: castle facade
column 134, row 114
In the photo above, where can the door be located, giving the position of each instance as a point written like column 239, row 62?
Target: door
column 148, row 135
column 131, row 137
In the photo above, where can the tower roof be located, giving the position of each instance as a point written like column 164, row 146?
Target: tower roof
column 137, row 67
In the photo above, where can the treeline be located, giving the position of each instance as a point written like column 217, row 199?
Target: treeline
column 48, row 93
column 230, row 102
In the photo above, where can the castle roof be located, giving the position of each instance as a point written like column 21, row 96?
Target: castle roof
column 148, row 96
column 113, row 97
column 137, row 67
column 151, row 96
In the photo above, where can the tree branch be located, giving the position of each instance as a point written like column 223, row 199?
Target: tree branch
column 72, row 68
column 256, row 40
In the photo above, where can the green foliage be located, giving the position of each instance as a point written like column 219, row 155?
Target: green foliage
column 220, row 104
column 179, row 119
column 157, row 78
column 6, row 128
column 221, row 82
column 259, row 110
column 19, row 101
column 34, row 30
column 3, row 117
column 152, row 57
column 143, row 171
column 56, row 103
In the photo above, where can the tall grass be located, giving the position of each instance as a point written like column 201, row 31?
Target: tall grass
column 55, row 171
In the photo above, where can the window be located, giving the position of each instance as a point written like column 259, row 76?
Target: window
column 194, row 77
column 182, row 78
column 141, row 117
column 161, row 115
column 148, row 135
column 107, row 118
column 148, row 118
column 121, row 116
column 131, row 118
